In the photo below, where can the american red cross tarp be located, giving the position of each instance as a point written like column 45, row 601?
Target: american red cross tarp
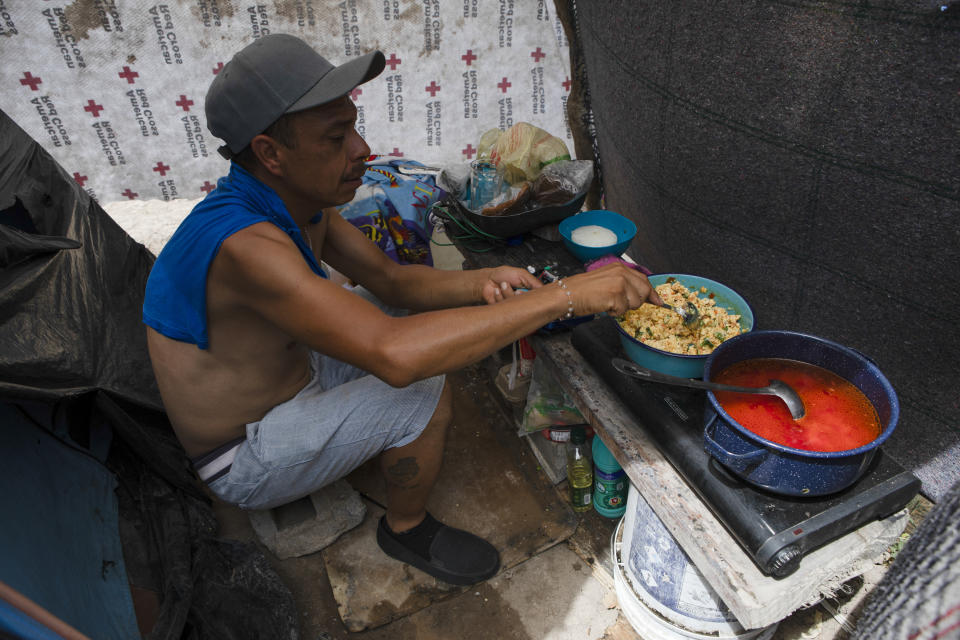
column 114, row 89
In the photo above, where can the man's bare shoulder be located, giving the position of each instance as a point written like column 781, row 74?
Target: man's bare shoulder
column 260, row 257
column 262, row 236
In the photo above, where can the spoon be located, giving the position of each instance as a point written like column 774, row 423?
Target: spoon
column 689, row 314
column 776, row 387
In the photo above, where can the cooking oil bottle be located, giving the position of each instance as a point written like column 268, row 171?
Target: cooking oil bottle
column 579, row 470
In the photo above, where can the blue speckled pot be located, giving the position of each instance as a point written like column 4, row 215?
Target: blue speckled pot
column 676, row 364
column 782, row 469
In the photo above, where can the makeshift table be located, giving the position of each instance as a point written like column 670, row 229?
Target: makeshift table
column 757, row 600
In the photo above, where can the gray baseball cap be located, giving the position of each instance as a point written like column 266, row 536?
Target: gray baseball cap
column 274, row 75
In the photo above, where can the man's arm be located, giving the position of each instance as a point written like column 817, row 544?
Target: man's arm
column 261, row 269
column 415, row 287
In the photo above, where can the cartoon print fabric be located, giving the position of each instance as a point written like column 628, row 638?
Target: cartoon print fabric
column 391, row 209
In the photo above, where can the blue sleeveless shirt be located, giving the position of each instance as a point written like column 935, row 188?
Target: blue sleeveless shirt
column 175, row 301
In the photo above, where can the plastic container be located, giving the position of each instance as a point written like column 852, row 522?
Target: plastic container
column 579, row 470
column 486, row 182
column 622, row 226
column 661, row 592
column 610, row 483
column 647, row 622
column 562, row 434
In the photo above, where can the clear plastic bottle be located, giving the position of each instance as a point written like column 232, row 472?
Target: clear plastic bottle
column 579, row 470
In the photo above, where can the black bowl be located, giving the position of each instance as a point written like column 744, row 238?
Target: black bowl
column 519, row 223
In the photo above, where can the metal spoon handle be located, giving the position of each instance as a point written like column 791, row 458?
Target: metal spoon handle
column 635, row 370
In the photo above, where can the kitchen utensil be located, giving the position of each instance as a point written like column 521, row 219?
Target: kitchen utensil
column 776, row 467
column 677, row 364
column 776, row 387
column 514, row 224
column 622, row 226
column 689, row 314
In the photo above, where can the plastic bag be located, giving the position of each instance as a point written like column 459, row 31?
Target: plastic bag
column 521, row 151
column 558, row 184
column 548, row 405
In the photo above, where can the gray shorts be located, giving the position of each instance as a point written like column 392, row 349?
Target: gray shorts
column 343, row 417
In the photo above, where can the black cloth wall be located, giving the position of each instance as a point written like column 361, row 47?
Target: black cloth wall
column 808, row 155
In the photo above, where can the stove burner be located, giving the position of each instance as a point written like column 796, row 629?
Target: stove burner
column 776, row 531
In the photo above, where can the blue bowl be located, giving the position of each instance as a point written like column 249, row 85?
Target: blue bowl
column 677, row 364
column 773, row 466
column 623, row 227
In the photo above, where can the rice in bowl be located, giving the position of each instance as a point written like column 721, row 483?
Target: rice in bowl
column 663, row 329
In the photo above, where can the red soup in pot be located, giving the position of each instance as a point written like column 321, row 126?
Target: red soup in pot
column 838, row 416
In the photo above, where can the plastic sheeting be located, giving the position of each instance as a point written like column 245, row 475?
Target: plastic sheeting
column 80, row 573
column 71, row 340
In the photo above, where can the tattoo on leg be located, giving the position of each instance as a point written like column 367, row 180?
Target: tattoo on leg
column 403, row 472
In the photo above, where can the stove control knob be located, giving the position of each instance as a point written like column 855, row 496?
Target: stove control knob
column 786, row 561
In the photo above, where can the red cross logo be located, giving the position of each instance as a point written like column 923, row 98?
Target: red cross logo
column 184, row 103
column 79, row 179
column 206, row 187
column 161, row 168
column 128, row 75
column 356, row 93
column 93, row 108
column 130, row 194
column 469, row 151
column 218, row 68
column 393, row 61
column 536, row 55
column 396, row 153
column 432, row 88
column 468, row 57
column 504, row 85
column 566, row 84
column 29, row 81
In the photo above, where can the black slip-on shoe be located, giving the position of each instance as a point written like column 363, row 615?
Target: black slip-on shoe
column 453, row 555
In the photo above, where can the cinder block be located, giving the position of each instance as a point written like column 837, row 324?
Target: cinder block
column 310, row 523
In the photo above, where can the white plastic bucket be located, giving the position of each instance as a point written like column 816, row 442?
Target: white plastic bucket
column 661, row 593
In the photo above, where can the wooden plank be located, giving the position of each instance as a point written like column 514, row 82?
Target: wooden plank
column 755, row 599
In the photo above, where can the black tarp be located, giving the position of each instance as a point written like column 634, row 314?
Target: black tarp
column 805, row 154
column 72, row 343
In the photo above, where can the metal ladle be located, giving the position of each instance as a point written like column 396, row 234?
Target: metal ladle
column 776, row 387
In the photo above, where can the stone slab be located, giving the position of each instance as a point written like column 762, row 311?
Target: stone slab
column 311, row 523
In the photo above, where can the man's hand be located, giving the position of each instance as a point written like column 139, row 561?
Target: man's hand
column 502, row 282
column 612, row 289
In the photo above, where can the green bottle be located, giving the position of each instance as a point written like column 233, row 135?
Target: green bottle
column 579, row 470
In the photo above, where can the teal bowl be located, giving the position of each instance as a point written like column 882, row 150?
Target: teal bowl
column 676, row 364
column 620, row 225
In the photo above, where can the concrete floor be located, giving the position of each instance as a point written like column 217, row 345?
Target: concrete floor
column 564, row 591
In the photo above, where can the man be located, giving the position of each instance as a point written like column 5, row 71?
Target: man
column 278, row 381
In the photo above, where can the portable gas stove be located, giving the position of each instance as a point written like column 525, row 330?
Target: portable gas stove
column 775, row 531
